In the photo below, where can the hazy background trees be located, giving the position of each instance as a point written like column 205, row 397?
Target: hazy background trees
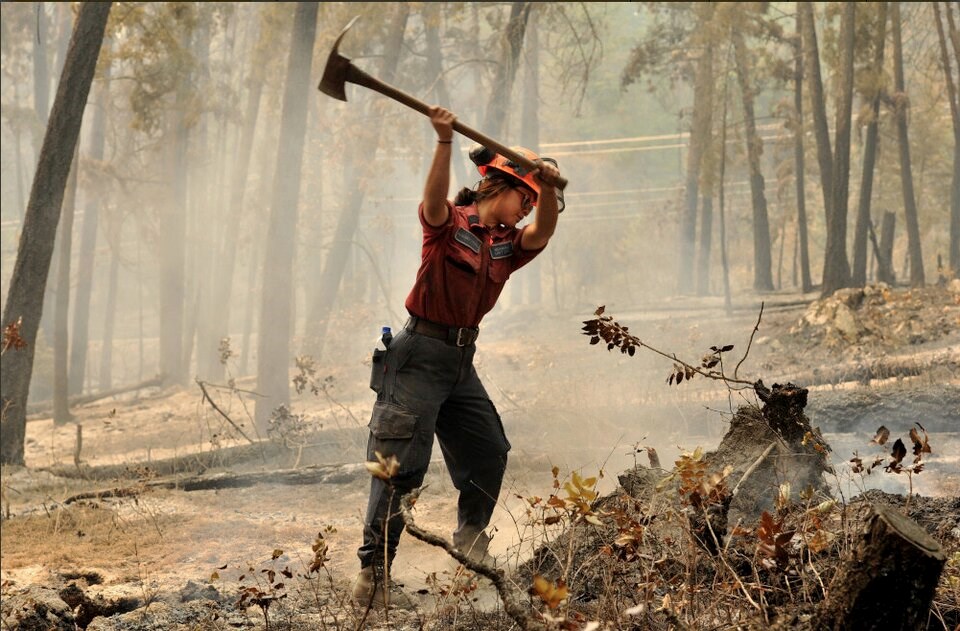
column 687, row 131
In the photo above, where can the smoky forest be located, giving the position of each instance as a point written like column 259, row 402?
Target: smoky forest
column 245, row 383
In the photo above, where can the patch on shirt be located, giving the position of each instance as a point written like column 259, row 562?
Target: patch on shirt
column 501, row 250
column 468, row 239
column 473, row 220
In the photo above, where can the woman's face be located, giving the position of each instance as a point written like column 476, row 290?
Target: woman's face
column 515, row 204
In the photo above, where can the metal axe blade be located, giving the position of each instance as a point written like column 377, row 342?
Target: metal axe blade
column 337, row 69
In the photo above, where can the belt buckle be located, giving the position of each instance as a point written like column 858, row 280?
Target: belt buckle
column 460, row 335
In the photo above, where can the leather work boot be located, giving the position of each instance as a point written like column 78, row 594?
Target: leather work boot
column 474, row 544
column 368, row 591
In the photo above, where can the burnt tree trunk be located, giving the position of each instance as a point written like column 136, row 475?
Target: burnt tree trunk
column 806, row 283
column 29, row 279
column 869, row 159
column 762, row 273
column 890, row 579
column 818, row 106
column 885, row 272
column 906, row 167
column 836, row 267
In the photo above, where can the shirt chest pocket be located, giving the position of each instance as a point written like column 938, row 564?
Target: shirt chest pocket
column 463, row 255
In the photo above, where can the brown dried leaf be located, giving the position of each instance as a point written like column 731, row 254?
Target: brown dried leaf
column 898, row 452
column 882, row 435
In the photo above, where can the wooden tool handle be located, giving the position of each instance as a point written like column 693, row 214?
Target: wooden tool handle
column 355, row 75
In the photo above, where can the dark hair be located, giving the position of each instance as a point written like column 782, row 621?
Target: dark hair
column 494, row 183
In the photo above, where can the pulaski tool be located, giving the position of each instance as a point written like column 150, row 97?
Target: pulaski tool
column 340, row 70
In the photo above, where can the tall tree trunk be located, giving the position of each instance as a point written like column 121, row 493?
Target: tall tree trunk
column 336, row 260
column 29, row 279
column 498, row 106
column 948, row 73
column 806, row 282
column 109, row 317
column 699, row 136
column 79, row 337
column 811, row 57
column 61, row 307
column 273, row 348
column 869, row 158
column 906, row 169
column 836, row 267
column 762, row 275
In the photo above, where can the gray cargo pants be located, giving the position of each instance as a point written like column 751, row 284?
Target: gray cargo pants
column 426, row 386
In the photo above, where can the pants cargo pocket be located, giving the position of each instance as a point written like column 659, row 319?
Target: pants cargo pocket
column 378, row 370
column 391, row 431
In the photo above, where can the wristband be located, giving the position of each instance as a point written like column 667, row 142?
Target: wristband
column 445, row 142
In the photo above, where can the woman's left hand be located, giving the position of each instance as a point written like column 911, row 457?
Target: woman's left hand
column 546, row 174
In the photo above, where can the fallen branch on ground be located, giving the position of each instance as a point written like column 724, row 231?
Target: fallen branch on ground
column 330, row 474
column 511, row 597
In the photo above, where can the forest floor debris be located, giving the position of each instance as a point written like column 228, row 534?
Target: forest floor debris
column 184, row 559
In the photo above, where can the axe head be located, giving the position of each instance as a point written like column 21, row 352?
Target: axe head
column 335, row 72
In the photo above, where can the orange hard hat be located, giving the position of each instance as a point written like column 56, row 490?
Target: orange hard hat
column 487, row 159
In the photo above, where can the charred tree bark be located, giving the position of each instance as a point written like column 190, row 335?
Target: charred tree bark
column 836, row 267
column 762, row 274
column 902, row 104
column 889, row 581
column 869, row 159
column 811, row 58
column 806, row 283
column 273, row 349
column 29, row 279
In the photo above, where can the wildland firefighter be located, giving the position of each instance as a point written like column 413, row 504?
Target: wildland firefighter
column 425, row 380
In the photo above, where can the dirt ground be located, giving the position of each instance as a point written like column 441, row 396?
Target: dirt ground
column 564, row 403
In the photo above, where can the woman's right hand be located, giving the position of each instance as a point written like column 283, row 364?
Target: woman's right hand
column 442, row 120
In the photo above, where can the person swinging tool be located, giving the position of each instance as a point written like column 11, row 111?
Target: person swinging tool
column 425, row 381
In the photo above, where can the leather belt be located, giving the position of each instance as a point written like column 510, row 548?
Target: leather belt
column 452, row 335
